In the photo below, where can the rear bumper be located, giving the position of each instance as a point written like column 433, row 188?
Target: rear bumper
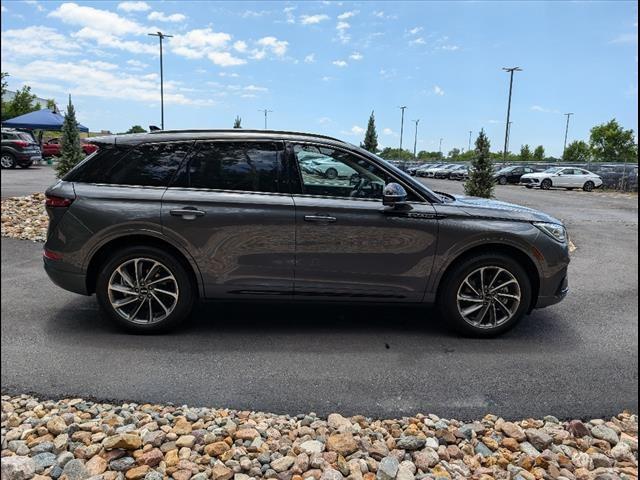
column 74, row 282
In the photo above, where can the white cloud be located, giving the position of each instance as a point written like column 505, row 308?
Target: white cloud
column 96, row 19
column 36, row 4
column 272, row 44
column 225, row 59
column 415, row 30
column 345, row 15
column 539, row 108
column 343, row 34
column 388, row 131
column 100, row 65
column 356, row 56
column 240, row 46
column 136, row 64
column 450, row 48
column 381, row 14
column 228, row 74
column 134, row 6
column 162, row 17
column 254, row 88
column 626, row 38
column 288, row 11
column 356, row 130
column 37, row 41
column 438, row 90
column 340, row 63
column 106, row 40
column 3, row 8
column 324, row 120
column 327, row 78
column 313, row 19
column 496, row 121
column 310, row 58
column 253, row 13
column 417, row 41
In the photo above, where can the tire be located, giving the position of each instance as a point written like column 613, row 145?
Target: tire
column 502, row 180
column 180, row 284
column 529, row 186
column 468, row 267
column 331, row 173
column 7, row 160
column 588, row 186
column 546, row 184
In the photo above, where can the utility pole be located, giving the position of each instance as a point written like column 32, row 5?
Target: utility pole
column 506, row 133
column 415, row 139
column 470, row 132
column 566, row 133
column 265, row 111
column 440, row 148
column 160, row 36
column 401, row 124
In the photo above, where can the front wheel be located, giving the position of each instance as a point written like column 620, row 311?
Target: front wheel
column 331, row 173
column 546, row 184
column 145, row 290
column 589, row 186
column 7, row 161
column 502, row 180
column 485, row 295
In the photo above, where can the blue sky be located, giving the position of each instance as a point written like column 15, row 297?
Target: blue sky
column 323, row 66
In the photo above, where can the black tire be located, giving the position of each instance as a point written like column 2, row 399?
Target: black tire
column 8, row 160
column 529, row 186
column 502, row 180
column 448, row 292
column 546, row 184
column 186, row 289
column 588, row 186
column 331, row 173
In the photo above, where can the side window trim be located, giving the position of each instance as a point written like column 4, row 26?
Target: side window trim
column 294, row 165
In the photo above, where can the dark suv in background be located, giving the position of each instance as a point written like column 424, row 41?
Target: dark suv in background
column 18, row 149
column 152, row 222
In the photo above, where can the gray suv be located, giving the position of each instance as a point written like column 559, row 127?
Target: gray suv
column 153, row 222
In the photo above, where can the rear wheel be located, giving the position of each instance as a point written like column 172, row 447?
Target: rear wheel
column 7, row 161
column 331, row 173
column 588, row 186
column 546, row 184
column 145, row 290
column 486, row 295
column 502, row 180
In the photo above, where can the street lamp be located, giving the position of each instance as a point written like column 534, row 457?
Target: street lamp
column 506, row 132
column 265, row 111
column 401, row 124
column 566, row 132
column 415, row 139
column 160, row 36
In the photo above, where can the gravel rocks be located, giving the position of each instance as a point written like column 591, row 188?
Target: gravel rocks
column 25, row 217
column 79, row 440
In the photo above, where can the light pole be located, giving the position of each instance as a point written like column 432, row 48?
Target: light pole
column 566, row 133
column 506, row 132
column 265, row 111
column 160, row 36
column 401, row 124
column 415, row 139
column 508, row 135
column 470, row 132
column 440, row 148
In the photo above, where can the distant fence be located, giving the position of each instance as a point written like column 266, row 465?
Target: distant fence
column 615, row 176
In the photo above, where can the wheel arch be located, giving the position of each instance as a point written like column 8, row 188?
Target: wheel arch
column 114, row 244
column 514, row 252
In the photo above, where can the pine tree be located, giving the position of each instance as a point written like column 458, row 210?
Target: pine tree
column 70, row 150
column 525, row 153
column 237, row 123
column 371, row 137
column 480, row 183
column 538, row 154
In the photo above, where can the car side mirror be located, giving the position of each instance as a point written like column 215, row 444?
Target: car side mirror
column 394, row 195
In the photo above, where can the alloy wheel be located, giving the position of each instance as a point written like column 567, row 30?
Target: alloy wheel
column 488, row 297
column 588, row 187
column 143, row 291
column 6, row 161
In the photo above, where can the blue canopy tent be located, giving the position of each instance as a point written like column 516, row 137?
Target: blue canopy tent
column 39, row 120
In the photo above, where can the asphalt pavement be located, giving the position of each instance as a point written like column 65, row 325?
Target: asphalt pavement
column 575, row 359
column 22, row 181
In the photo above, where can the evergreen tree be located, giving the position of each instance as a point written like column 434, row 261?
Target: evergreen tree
column 70, row 150
column 136, row 129
column 525, row 153
column 480, row 182
column 538, row 154
column 237, row 123
column 371, row 137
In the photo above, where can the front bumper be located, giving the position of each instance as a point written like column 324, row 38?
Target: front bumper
column 560, row 293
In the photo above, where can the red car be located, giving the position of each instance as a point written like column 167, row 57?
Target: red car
column 51, row 148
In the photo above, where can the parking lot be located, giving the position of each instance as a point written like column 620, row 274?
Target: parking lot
column 576, row 359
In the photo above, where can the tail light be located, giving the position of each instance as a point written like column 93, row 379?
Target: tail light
column 53, row 201
column 20, row 143
column 46, row 253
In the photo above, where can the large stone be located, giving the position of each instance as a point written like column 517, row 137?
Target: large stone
column 410, row 442
column 152, row 457
column 311, row 446
column 44, row 460
column 539, row 438
column 75, row 470
column 137, row 473
column 126, row 441
column 342, row 443
column 56, row 426
column 96, row 465
column 186, row 441
column 182, row 427
column 406, row 471
column 220, row 472
column 247, row 434
column 425, row 459
column 605, row 433
column 338, row 422
column 282, row 464
column 387, row 468
column 122, row 464
column 217, row 448
column 578, row 429
column 17, row 468
column 331, row 474
column 513, row 431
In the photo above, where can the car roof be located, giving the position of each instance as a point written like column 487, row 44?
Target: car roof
column 216, row 134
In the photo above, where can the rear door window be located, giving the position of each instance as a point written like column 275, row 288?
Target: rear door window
column 237, row 166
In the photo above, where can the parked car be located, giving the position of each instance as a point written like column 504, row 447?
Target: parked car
column 18, row 149
column 511, row 174
column 443, row 172
column 51, row 148
column 412, row 170
column 151, row 223
column 563, row 177
column 459, row 173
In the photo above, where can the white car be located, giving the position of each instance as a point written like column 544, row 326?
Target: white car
column 562, row 177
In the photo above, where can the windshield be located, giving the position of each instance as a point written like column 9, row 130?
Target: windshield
column 553, row 170
column 505, row 169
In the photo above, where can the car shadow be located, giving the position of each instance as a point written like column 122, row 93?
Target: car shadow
column 299, row 327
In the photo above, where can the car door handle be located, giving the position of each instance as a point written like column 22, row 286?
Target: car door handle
column 187, row 213
column 319, row 218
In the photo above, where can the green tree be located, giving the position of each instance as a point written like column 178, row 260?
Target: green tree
column 396, row 154
column 454, row 154
column 424, row 155
column 538, row 154
column 23, row 102
column 4, row 85
column 480, row 182
column 610, row 142
column 51, row 105
column 70, row 150
column 525, row 153
column 577, row 152
column 237, row 123
column 136, row 129
column 371, row 137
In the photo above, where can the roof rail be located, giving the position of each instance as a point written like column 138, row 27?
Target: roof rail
column 244, row 130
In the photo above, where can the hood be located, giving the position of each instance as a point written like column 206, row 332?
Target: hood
column 537, row 175
column 488, row 208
